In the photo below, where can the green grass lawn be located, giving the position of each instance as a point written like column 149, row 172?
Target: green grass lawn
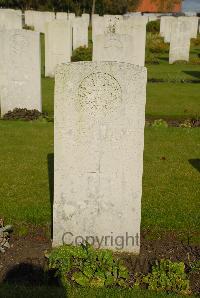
column 170, row 187
column 175, row 72
column 168, row 100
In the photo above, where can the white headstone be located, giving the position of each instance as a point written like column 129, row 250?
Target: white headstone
column 97, row 25
column 58, row 45
column 86, row 17
column 123, row 41
column 113, row 47
column 38, row 19
column 136, row 27
column 112, row 23
column 193, row 23
column 80, row 32
column 65, row 16
column 168, row 28
column 10, row 19
column 20, row 77
column 180, row 41
column 99, row 141
column 162, row 25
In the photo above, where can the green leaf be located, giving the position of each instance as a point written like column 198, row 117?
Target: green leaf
column 88, row 271
column 81, row 279
column 97, row 282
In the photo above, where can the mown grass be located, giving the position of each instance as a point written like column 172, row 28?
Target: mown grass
column 167, row 100
column 170, row 187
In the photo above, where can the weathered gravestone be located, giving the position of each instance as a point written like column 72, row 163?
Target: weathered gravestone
column 86, row 17
column 136, row 27
column 168, row 24
column 65, row 16
column 113, row 47
column 97, row 25
column 20, row 77
column 123, row 40
column 80, row 32
column 38, row 19
column 180, row 41
column 192, row 22
column 58, row 45
column 10, row 19
column 112, row 23
column 99, row 140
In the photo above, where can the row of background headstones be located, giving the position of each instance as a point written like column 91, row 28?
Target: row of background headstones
column 113, row 43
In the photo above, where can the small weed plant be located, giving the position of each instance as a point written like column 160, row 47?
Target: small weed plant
column 168, row 276
column 86, row 266
column 159, row 123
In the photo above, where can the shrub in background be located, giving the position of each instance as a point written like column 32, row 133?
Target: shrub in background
column 155, row 43
column 82, row 54
column 153, row 26
column 150, row 58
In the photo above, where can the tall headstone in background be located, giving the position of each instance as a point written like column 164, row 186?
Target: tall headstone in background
column 97, row 25
column 10, row 19
column 65, row 16
column 99, row 141
column 169, row 21
column 105, row 24
column 58, row 45
column 20, row 77
column 136, row 27
column 86, row 17
column 193, row 23
column 162, row 25
column 180, row 41
column 80, row 32
column 112, row 23
column 123, row 40
column 113, row 47
column 38, row 19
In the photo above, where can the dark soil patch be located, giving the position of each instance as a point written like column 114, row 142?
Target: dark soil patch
column 192, row 123
column 22, row 114
column 24, row 262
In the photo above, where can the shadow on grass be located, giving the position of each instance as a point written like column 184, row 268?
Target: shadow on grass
column 195, row 74
column 50, row 162
column 26, row 274
column 195, row 163
column 30, row 280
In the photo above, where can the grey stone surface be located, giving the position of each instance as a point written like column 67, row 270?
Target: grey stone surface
column 20, row 77
column 99, row 141
column 123, row 40
column 10, row 19
column 58, row 45
column 180, row 41
column 65, row 16
column 38, row 19
column 80, row 32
